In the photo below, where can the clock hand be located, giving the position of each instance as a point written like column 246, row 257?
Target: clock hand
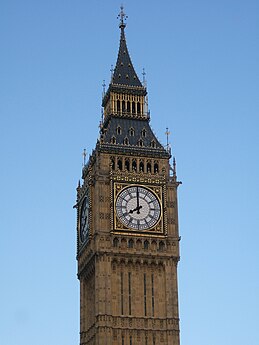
column 138, row 207
column 135, row 209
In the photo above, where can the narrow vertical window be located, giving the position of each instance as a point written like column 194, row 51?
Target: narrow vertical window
column 130, row 340
column 129, row 280
column 146, row 341
column 119, row 164
column 153, row 294
column 113, row 163
column 118, row 130
column 122, row 340
column 115, row 242
column 154, row 340
column 118, row 106
column 138, row 108
column 145, row 294
column 127, row 165
column 122, row 311
column 133, row 108
column 123, row 106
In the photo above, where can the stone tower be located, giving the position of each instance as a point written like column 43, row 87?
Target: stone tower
column 127, row 223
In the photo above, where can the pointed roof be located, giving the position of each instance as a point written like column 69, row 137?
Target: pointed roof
column 124, row 78
column 124, row 73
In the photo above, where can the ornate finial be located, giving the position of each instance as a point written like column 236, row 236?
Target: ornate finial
column 111, row 70
column 144, row 82
column 167, row 133
column 84, row 157
column 103, row 85
column 122, row 17
column 174, row 167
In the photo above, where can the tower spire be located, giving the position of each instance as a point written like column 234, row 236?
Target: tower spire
column 124, row 73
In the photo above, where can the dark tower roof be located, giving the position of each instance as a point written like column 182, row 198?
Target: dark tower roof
column 124, row 73
column 124, row 78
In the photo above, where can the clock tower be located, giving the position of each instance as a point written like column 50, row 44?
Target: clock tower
column 127, row 223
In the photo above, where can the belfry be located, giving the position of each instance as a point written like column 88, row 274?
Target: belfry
column 127, row 223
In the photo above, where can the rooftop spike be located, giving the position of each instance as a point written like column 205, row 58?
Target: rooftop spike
column 103, row 85
column 122, row 15
column 174, row 167
column 84, row 157
column 144, row 81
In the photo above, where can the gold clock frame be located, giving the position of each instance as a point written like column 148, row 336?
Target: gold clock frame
column 118, row 226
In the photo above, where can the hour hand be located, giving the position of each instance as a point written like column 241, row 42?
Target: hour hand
column 136, row 209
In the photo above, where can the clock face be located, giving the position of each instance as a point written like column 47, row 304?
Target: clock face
column 84, row 220
column 138, row 208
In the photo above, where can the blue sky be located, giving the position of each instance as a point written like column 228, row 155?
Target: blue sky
column 201, row 59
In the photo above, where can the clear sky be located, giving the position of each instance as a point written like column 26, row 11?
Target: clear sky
column 202, row 64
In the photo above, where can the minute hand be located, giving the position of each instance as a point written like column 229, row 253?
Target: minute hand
column 137, row 208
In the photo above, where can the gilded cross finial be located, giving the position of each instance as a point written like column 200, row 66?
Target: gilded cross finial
column 122, row 17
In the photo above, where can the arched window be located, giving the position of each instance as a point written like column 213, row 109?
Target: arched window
column 123, row 243
column 138, row 108
column 144, row 132
column 134, row 165
column 161, row 246
column 127, row 165
column 126, row 141
column 123, row 105
column 133, row 107
column 146, row 245
column 141, row 166
column 118, row 130
column 153, row 144
column 113, row 163
column 140, row 142
column 138, row 244
column 130, row 243
column 128, row 106
column 115, row 242
column 119, row 164
column 118, row 106
column 153, row 245
column 132, row 132
column 149, row 167
column 156, row 170
column 113, row 140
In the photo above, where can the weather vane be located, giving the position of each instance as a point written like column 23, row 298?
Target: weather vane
column 122, row 17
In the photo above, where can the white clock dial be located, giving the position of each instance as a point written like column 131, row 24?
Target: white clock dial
column 138, row 208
